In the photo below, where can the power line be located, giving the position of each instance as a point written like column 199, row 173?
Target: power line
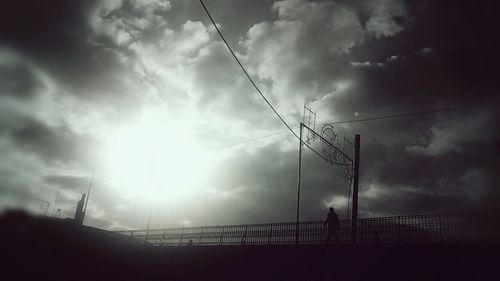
column 255, row 85
column 274, row 110
column 248, row 140
column 279, row 116
column 246, row 73
column 394, row 116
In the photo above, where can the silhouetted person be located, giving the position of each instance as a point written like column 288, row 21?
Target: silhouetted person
column 333, row 226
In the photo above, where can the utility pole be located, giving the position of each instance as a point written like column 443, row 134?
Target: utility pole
column 298, row 188
column 354, row 219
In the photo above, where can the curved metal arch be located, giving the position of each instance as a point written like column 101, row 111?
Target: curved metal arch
column 331, row 153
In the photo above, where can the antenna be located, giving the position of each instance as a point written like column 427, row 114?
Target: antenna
column 88, row 193
column 309, row 119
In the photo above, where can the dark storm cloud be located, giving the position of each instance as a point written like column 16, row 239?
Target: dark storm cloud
column 42, row 27
column 366, row 57
column 428, row 61
column 18, row 80
column 410, row 165
column 258, row 183
column 399, row 63
column 68, row 182
column 264, row 185
column 446, row 55
column 50, row 143
column 58, row 37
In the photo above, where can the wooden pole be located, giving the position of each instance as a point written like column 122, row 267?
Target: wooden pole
column 354, row 219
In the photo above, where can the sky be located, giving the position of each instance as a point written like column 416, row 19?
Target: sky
column 145, row 95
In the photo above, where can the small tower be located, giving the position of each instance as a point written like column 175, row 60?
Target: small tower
column 80, row 214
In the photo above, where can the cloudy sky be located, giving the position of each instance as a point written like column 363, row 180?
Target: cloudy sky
column 147, row 95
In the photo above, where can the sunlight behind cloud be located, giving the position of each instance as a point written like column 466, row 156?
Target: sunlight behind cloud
column 154, row 162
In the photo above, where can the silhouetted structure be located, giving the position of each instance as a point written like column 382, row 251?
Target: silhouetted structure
column 32, row 245
column 451, row 227
column 332, row 219
column 80, row 214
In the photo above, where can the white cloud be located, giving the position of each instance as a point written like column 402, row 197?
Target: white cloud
column 127, row 23
column 293, row 51
column 382, row 23
column 367, row 64
column 160, row 5
column 427, row 51
column 337, row 202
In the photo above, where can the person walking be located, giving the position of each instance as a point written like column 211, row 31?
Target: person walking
column 332, row 219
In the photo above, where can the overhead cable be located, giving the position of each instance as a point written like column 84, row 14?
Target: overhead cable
column 246, row 73
column 400, row 115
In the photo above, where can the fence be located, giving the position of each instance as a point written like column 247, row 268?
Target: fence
column 396, row 229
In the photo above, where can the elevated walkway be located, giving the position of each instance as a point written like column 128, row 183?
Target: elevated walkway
column 396, row 229
column 47, row 249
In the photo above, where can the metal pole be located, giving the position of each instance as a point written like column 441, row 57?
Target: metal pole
column 354, row 220
column 149, row 222
column 298, row 188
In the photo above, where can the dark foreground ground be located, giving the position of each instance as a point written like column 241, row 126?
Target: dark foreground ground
column 47, row 249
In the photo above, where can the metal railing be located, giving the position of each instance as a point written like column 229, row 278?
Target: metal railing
column 396, row 229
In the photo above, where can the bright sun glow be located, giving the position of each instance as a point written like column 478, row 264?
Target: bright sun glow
column 154, row 163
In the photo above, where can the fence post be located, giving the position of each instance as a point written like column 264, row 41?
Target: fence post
column 399, row 229
column 244, row 239
column 221, row 236
column 270, row 235
column 440, row 229
column 201, row 235
column 182, row 236
column 163, row 238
